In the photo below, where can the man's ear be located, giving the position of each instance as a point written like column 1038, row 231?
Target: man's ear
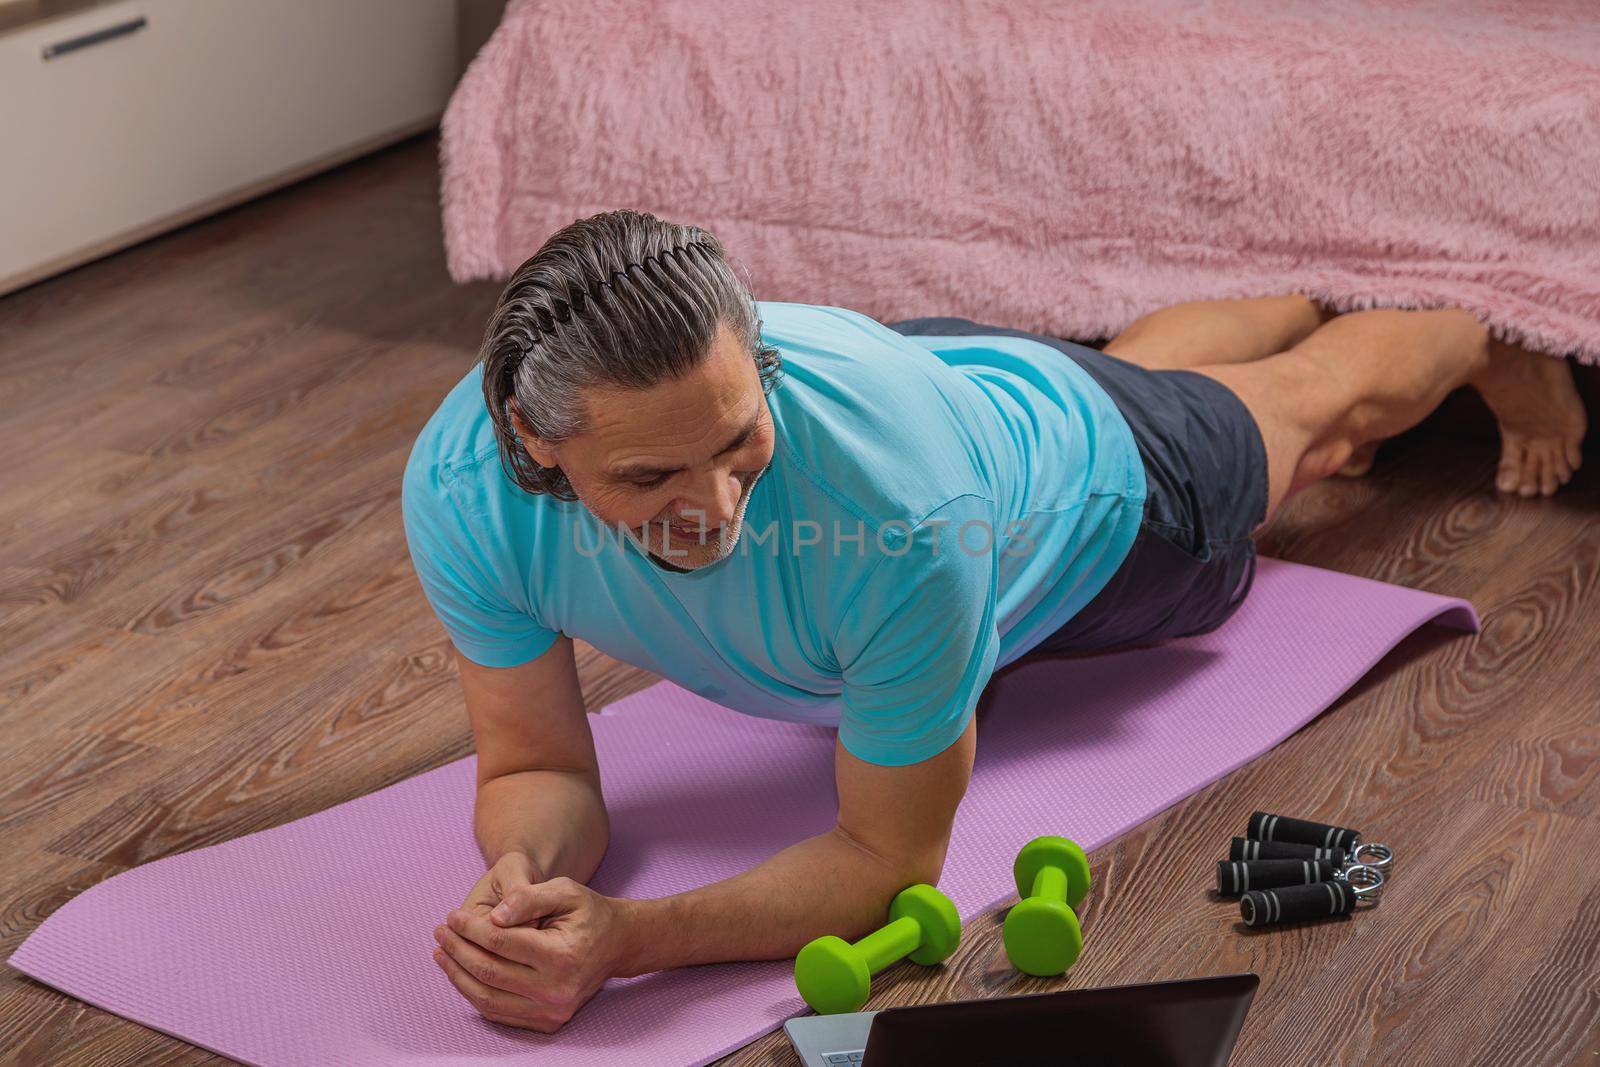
column 536, row 446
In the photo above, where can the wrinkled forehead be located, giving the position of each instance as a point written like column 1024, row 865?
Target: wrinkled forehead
column 699, row 411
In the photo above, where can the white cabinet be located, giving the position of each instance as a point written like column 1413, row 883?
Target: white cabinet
column 186, row 106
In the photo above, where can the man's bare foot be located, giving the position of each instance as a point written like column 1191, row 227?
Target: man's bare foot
column 1542, row 421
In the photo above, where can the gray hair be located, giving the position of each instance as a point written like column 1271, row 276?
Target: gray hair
column 621, row 299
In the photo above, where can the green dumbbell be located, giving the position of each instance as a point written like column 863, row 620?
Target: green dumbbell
column 833, row 975
column 1041, row 933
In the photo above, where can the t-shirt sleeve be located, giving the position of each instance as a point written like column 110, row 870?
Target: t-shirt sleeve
column 918, row 642
column 460, row 579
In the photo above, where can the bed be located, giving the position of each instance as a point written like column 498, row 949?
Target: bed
column 1060, row 167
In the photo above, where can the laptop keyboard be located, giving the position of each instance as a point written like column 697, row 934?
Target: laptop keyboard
column 842, row 1059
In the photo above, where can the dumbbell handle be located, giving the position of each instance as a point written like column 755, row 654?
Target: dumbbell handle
column 1050, row 883
column 1236, row 878
column 888, row 943
column 1243, row 849
column 1268, row 827
column 1263, row 907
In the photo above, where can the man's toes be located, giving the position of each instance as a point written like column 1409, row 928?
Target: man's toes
column 1532, row 468
column 1528, row 478
column 1553, row 469
column 1573, row 451
column 1549, row 469
column 1512, row 453
column 1563, row 473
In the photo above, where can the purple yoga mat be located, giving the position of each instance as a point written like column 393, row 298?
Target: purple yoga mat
column 310, row 943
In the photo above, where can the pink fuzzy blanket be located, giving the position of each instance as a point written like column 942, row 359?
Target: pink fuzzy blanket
column 1060, row 167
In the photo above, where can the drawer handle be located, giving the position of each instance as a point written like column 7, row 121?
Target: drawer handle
column 72, row 44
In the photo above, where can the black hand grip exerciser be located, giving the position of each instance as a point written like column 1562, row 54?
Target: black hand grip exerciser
column 1266, row 827
column 1243, row 849
column 1236, row 878
column 1297, row 903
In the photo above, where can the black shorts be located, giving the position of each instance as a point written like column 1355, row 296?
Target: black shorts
column 1205, row 463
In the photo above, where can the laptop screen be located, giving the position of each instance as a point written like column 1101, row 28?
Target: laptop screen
column 1187, row 1023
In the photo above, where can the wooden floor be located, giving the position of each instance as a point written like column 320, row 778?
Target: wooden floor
column 210, row 627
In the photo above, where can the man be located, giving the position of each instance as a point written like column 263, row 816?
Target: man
column 800, row 513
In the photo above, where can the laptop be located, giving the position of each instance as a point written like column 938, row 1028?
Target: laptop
column 1188, row 1023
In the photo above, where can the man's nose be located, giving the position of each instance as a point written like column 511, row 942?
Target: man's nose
column 714, row 501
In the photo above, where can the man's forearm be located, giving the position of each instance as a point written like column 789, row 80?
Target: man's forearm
column 823, row 885
column 556, row 818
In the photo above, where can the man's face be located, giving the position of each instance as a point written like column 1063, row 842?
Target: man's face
column 675, row 463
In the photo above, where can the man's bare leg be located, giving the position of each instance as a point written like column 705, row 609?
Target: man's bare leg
column 1541, row 418
column 1362, row 377
column 1208, row 333
column 1205, row 333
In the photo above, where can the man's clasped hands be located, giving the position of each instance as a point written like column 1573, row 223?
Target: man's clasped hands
column 529, row 952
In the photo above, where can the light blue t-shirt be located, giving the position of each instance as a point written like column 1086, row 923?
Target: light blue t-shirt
column 935, row 507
